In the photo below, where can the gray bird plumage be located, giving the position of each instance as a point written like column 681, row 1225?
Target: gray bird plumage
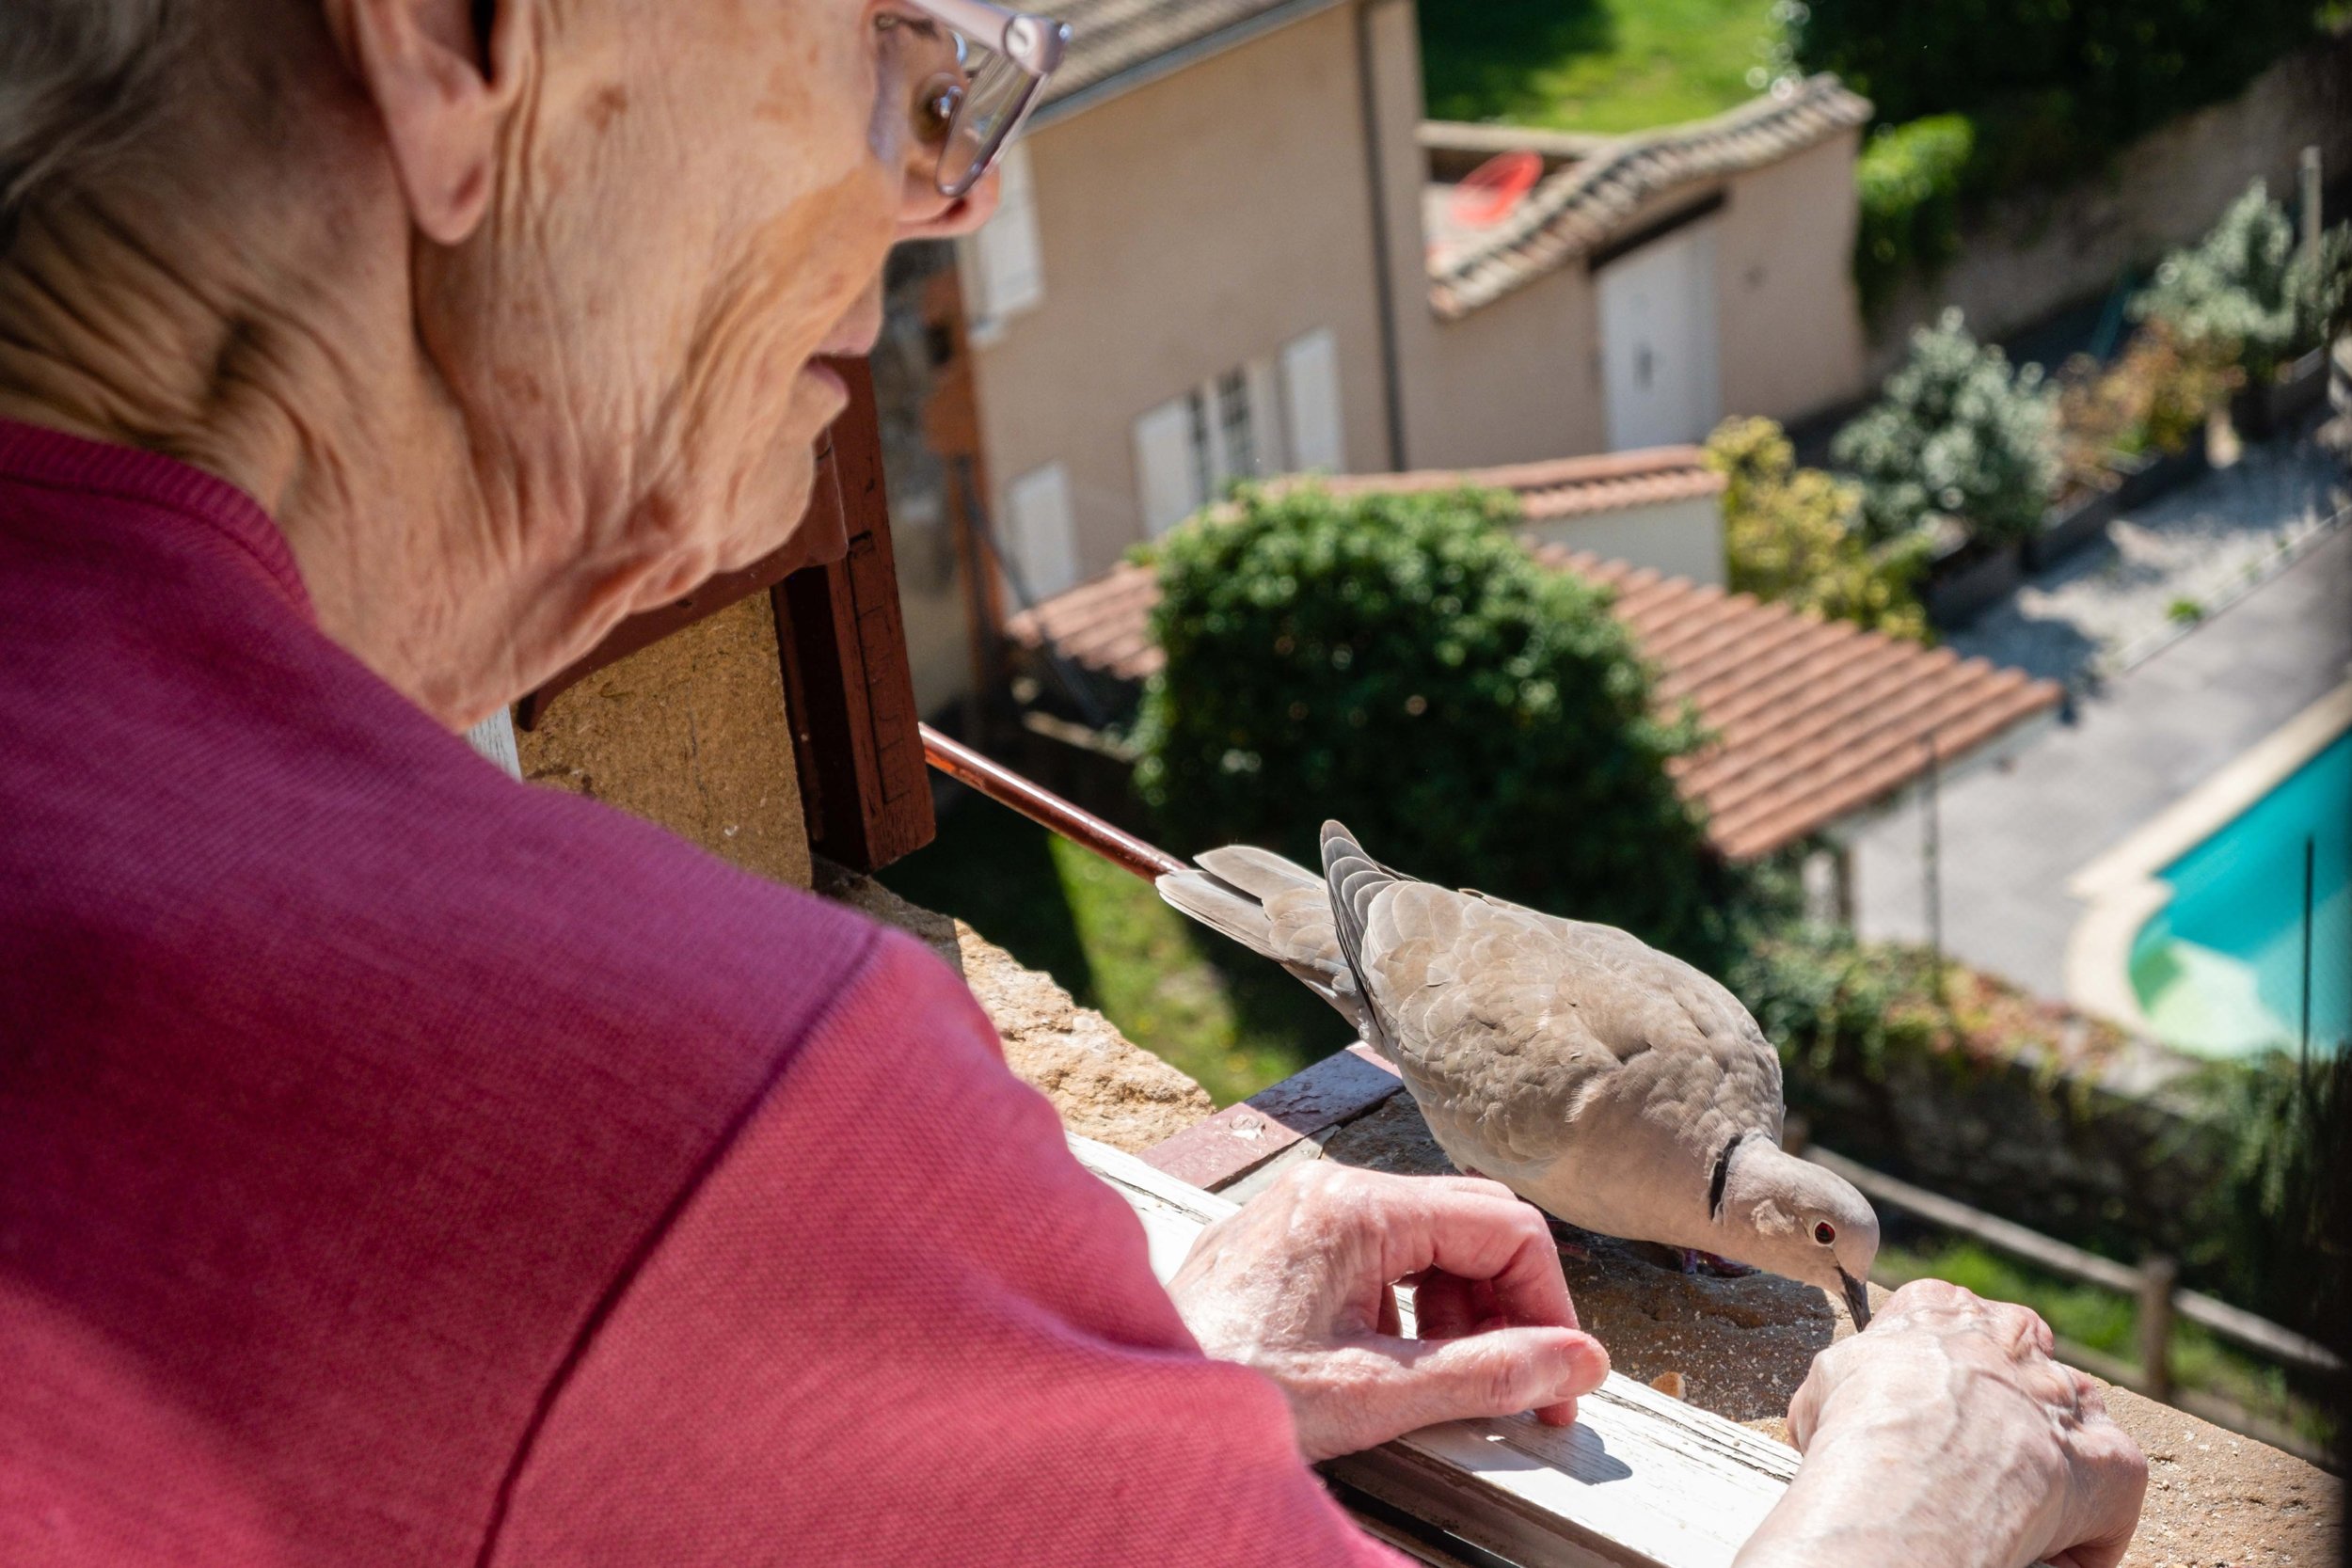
column 1609, row 1083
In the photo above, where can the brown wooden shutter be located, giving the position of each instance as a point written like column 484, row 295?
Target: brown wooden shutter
column 865, row 789
column 863, row 780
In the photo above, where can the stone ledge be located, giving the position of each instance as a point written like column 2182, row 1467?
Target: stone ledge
column 1105, row 1088
column 1741, row 1347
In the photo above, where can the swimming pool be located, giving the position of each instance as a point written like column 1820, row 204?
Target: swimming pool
column 2219, row 969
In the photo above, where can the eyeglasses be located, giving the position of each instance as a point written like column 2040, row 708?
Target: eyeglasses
column 1003, row 59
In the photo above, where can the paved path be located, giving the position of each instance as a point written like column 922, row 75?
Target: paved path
column 2205, row 544
column 2013, row 835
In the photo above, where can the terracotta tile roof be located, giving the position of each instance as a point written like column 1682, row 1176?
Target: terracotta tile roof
column 1111, row 38
column 1563, row 487
column 1583, row 206
column 1813, row 718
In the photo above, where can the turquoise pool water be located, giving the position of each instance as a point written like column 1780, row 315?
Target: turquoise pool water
column 2220, row 970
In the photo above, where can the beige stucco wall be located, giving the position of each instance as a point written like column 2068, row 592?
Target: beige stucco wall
column 1186, row 227
column 1683, row 538
column 1520, row 380
column 1788, row 319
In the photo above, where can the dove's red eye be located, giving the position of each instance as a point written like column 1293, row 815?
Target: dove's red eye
column 1825, row 1233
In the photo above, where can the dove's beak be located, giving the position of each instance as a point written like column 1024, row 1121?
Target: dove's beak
column 1857, row 1300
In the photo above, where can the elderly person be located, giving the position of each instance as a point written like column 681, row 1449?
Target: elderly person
column 398, row 1166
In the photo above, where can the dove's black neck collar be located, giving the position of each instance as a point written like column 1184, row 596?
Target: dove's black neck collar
column 1722, row 1174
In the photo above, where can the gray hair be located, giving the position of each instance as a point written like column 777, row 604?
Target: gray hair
column 78, row 79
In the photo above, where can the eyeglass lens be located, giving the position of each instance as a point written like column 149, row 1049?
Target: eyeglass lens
column 995, row 95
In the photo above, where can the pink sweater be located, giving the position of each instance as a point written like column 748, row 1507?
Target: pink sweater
column 399, row 1165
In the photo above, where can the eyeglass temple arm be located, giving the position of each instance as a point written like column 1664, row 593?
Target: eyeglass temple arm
column 1033, row 43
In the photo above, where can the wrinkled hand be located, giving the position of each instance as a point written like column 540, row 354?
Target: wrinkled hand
column 1297, row 1285
column 1946, row 1434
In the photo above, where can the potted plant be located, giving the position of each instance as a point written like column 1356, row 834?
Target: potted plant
column 1962, row 448
column 2248, row 291
column 2127, row 433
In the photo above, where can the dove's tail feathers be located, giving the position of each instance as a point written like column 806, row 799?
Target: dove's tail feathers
column 1260, row 873
column 1275, row 910
column 1353, row 878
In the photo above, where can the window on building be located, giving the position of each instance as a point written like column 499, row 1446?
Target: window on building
column 1040, row 535
column 1003, row 264
column 1257, row 420
column 1310, row 396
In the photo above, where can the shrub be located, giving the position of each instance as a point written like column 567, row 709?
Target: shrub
column 1956, row 432
column 1908, row 177
column 2153, row 399
column 1792, row 536
column 2245, row 291
column 2275, row 1219
column 1400, row 663
column 1832, row 1004
column 2074, row 78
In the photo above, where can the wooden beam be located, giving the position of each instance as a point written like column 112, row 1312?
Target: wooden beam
column 864, row 783
column 2256, row 1334
column 1641, row 1480
column 1244, row 1138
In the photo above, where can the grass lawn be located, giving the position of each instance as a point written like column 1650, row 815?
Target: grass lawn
column 2103, row 1320
column 1591, row 65
column 1232, row 1020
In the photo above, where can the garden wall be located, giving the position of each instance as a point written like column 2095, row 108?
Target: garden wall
column 2037, row 253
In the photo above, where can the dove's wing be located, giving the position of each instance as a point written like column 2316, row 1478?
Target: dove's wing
column 1524, row 1033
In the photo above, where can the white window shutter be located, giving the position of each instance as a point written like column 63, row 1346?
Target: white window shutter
column 1166, row 484
column 1006, row 256
column 1044, row 536
column 1267, row 425
column 1311, row 387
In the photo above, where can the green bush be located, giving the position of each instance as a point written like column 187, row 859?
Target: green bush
column 1832, row 1004
column 2248, row 292
column 2055, row 82
column 1910, row 179
column 2274, row 1222
column 1794, row 538
column 1957, row 432
column 1400, row 663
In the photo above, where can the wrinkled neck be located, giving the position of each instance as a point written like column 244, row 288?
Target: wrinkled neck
column 281, row 356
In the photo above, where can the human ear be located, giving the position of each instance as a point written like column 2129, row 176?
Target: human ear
column 442, row 90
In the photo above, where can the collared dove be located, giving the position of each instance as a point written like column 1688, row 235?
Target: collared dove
column 1610, row 1084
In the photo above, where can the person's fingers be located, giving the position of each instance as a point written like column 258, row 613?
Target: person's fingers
column 2111, row 1474
column 1461, row 1225
column 1503, row 1372
column 1390, row 1324
column 1447, row 1306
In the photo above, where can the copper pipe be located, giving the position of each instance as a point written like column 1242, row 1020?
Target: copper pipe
column 1043, row 806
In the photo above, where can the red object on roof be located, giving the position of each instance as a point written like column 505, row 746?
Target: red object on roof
column 1489, row 192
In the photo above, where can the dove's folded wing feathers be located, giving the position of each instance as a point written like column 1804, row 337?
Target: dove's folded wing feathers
column 1522, row 1029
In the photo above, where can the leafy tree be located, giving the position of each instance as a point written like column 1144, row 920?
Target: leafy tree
column 1910, row 181
column 1958, row 433
column 2055, row 82
column 1400, row 663
column 2248, row 292
column 1793, row 537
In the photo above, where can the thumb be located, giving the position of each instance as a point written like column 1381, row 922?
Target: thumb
column 1501, row 1373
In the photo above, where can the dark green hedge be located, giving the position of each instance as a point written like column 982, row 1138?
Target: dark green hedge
column 1911, row 180
column 2086, row 75
column 1398, row 662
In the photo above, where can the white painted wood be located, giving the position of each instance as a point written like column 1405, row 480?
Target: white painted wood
column 1166, row 483
column 1043, row 535
column 1267, row 428
column 1641, row 1480
column 1658, row 341
column 1004, row 272
column 493, row 739
column 1310, row 401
